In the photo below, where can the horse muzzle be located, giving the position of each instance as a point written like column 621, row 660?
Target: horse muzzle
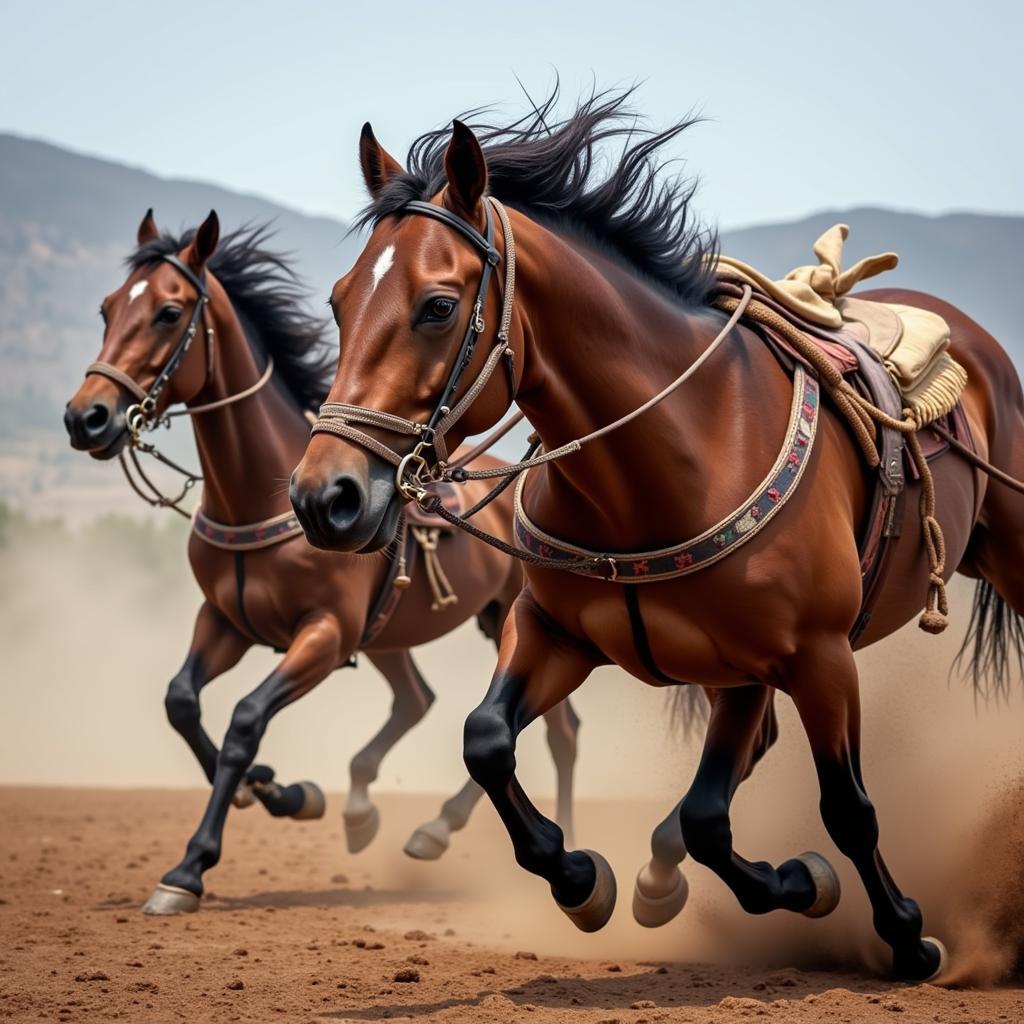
column 97, row 428
column 345, row 510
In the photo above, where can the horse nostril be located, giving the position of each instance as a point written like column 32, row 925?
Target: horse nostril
column 346, row 505
column 96, row 420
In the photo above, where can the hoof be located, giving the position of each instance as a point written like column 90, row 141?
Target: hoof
column 169, row 899
column 657, row 900
column 313, row 805
column 244, row 796
column 360, row 832
column 826, row 884
column 593, row 913
column 429, row 841
column 930, row 940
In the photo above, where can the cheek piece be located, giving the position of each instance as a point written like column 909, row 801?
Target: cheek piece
column 429, row 460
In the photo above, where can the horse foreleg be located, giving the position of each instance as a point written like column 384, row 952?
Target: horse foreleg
column 216, row 647
column 538, row 668
column 735, row 727
column 431, row 840
column 823, row 684
column 313, row 654
column 661, row 891
column 412, row 700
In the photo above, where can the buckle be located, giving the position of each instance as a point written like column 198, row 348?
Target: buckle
column 412, row 473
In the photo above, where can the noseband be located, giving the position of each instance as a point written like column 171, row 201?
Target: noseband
column 428, row 459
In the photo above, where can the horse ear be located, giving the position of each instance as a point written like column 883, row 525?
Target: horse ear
column 379, row 166
column 202, row 247
column 466, row 168
column 147, row 229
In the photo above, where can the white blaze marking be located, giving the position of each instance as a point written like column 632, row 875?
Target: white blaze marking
column 136, row 290
column 385, row 261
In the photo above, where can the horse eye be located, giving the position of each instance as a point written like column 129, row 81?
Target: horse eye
column 438, row 310
column 169, row 315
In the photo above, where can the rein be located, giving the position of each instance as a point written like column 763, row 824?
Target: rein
column 142, row 415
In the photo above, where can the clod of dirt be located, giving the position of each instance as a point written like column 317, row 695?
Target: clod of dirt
column 741, row 1004
column 415, row 959
column 418, row 935
column 240, row 951
column 407, row 974
column 525, row 955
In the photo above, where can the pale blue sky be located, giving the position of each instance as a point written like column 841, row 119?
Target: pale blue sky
column 910, row 105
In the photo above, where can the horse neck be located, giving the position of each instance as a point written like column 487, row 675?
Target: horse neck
column 599, row 343
column 248, row 448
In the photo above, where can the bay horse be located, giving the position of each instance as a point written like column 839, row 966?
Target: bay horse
column 595, row 287
column 262, row 583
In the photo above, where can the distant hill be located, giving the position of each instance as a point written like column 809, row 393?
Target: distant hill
column 67, row 221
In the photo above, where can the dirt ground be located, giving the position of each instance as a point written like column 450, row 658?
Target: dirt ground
column 295, row 929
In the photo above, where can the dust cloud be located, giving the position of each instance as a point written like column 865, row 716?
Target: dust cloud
column 95, row 622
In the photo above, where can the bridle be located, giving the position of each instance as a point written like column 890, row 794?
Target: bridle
column 429, row 460
column 142, row 414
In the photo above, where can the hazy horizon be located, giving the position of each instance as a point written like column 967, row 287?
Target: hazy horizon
column 800, row 118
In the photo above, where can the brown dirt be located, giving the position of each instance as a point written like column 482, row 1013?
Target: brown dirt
column 296, row 929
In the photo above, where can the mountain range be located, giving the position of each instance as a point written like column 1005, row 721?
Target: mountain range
column 68, row 220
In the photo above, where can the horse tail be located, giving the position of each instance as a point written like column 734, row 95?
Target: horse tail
column 994, row 642
column 688, row 708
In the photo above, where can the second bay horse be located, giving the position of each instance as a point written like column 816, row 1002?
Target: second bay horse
column 257, row 364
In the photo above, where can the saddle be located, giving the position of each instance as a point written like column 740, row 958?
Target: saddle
column 911, row 343
column 895, row 356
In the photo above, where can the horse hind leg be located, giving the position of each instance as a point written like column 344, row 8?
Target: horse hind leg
column 823, row 684
column 412, row 700
column 661, row 890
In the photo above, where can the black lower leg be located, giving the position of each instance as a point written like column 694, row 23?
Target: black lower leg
column 538, row 842
column 310, row 658
column 850, row 819
column 734, row 732
column 825, row 689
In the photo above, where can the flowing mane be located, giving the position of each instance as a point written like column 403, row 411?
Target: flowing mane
column 556, row 172
column 268, row 295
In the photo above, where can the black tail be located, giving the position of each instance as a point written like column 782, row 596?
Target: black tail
column 688, row 708
column 994, row 642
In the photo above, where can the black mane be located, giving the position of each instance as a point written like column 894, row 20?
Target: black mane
column 556, row 172
column 270, row 298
